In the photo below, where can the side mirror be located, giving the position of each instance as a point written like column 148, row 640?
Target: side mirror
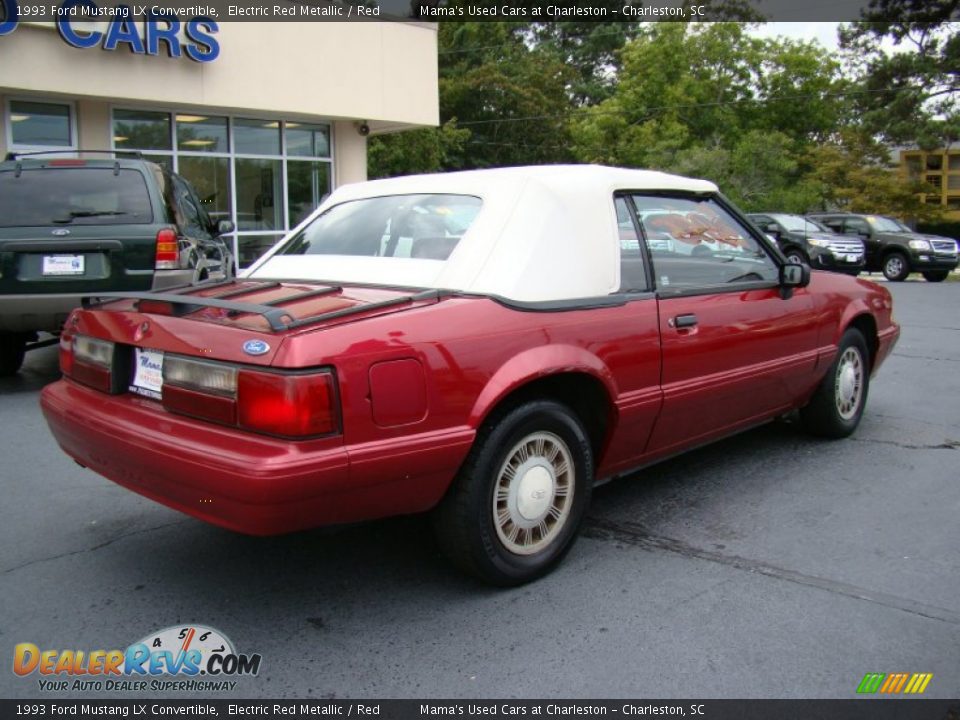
column 225, row 227
column 772, row 229
column 794, row 275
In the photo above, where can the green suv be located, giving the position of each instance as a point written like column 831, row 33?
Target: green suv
column 892, row 248
column 71, row 227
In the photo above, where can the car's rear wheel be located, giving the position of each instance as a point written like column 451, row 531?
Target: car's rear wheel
column 896, row 267
column 13, row 347
column 936, row 275
column 516, row 506
column 836, row 407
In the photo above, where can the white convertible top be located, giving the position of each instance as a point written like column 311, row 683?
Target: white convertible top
column 544, row 233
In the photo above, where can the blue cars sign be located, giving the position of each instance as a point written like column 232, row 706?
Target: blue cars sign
column 160, row 31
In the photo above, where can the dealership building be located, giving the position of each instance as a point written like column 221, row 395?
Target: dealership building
column 264, row 118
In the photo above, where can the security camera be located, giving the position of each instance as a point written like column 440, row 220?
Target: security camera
column 363, row 129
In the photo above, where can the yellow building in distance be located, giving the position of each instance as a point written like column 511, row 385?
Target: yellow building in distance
column 940, row 169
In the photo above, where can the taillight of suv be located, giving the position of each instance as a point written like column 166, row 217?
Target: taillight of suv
column 168, row 250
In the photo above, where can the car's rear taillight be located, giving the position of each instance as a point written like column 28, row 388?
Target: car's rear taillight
column 91, row 362
column 204, row 377
column 201, row 389
column 168, row 250
column 66, row 354
column 288, row 405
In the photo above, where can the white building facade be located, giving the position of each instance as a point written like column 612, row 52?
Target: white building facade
column 264, row 118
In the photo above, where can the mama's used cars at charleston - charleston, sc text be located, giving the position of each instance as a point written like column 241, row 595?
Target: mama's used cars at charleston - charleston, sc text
column 484, row 345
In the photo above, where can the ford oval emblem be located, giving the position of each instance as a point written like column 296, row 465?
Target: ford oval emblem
column 256, row 347
column 60, row 232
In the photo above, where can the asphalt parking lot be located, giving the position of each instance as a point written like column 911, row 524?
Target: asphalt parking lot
column 767, row 565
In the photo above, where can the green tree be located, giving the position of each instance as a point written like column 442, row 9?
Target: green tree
column 509, row 92
column 906, row 57
column 686, row 86
column 758, row 172
column 415, row 151
column 853, row 174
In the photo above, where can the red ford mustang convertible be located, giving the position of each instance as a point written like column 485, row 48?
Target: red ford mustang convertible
column 486, row 345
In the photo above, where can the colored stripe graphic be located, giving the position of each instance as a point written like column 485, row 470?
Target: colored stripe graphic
column 870, row 683
column 918, row 683
column 895, row 683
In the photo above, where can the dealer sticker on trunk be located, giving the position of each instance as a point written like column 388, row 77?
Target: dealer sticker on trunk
column 147, row 373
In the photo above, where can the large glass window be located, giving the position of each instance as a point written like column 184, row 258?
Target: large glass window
column 696, row 243
column 199, row 133
column 259, row 194
column 264, row 175
column 40, row 124
column 256, row 137
column 251, row 247
column 307, row 184
column 141, row 130
column 305, row 140
column 211, row 177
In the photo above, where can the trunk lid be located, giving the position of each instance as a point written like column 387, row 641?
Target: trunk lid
column 243, row 321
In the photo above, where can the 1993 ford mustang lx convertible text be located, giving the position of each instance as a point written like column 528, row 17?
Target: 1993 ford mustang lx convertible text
column 487, row 345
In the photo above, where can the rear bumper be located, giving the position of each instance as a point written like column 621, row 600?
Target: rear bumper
column 32, row 312
column 245, row 482
column 28, row 313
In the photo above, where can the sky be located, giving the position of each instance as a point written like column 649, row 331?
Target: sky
column 823, row 32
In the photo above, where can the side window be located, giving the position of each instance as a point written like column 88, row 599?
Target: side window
column 835, row 224
column 189, row 215
column 633, row 267
column 695, row 243
column 857, row 225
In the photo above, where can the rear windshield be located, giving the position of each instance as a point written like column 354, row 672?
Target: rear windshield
column 398, row 226
column 73, row 196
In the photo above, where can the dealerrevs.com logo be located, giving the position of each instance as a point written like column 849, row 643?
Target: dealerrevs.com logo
column 178, row 658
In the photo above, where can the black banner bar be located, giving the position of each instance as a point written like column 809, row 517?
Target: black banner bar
column 873, row 709
column 632, row 11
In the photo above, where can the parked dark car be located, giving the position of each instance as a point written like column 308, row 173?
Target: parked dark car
column 938, row 276
column 807, row 241
column 74, row 226
column 892, row 251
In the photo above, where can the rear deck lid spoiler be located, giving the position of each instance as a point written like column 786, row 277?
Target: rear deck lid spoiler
column 182, row 302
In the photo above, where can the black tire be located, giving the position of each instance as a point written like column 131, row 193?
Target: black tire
column 476, row 537
column 13, row 346
column 936, row 275
column 836, row 407
column 797, row 256
column 896, row 266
